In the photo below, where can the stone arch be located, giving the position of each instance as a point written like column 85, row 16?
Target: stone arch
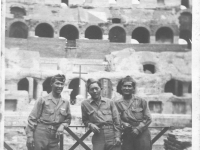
column 117, row 34
column 74, row 85
column 18, row 30
column 186, row 35
column 70, row 32
column 93, row 32
column 120, row 84
column 185, row 21
column 165, row 35
column 47, row 85
column 149, row 68
column 23, row 84
column 116, row 20
column 155, row 107
column 175, row 87
column 185, row 3
column 65, row 1
column 106, row 87
column 44, row 30
column 17, row 12
column 141, row 34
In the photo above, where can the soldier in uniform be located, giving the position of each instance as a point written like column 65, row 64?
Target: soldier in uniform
column 135, row 118
column 101, row 116
column 50, row 115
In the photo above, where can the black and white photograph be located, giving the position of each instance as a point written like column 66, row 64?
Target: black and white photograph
column 100, row 75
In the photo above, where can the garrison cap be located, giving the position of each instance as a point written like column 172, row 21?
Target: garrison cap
column 59, row 77
column 91, row 81
column 128, row 79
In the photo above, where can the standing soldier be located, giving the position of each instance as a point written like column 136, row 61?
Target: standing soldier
column 101, row 116
column 135, row 118
column 50, row 115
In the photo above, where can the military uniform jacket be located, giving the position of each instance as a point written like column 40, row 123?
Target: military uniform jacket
column 103, row 114
column 50, row 112
column 136, row 112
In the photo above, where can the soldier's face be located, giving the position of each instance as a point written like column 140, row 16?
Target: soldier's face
column 57, row 86
column 127, row 88
column 95, row 91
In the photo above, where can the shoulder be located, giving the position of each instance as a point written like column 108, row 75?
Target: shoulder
column 119, row 100
column 141, row 100
column 86, row 101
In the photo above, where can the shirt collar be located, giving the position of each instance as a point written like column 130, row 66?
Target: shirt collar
column 50, row 97
column 102, row 99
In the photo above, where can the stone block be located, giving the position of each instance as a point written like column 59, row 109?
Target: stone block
column 172, row 3
column 124, row 3
column 102, row 3
column 76, row 2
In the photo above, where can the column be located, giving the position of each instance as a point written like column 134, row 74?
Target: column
column 30, row 80
column 39, row 88
column 152, row 40
column 186, row 88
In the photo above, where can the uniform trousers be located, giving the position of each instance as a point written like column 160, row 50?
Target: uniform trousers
column 45, row 138
column 105, row 140
column 140, row 142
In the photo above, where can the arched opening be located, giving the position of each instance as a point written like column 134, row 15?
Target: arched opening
column 185, row 21
column 44, row 30
column 141, row 34
column 161, row 2
column 164, row 35
column 47, row 85
column 74, row 85
column 18, row 12
column 155, row 107
column 70, row 32
column 65, row 1
column 190, row 88
column 93, row 32
column 117, row 34
column 116, row 20
column 185, row 3
column 23, row 85
column 106, row 87
column 186, row 35
column 119, row 85
column 175, row 87
column 18, row 30
column 149, row 69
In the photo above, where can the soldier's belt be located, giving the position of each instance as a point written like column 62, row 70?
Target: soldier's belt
column 51, row 127
column 106, row 127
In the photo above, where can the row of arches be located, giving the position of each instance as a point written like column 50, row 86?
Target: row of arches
column 172, row 86
column 116, row 34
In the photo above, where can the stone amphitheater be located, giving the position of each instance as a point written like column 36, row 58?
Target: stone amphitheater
column 149, row 40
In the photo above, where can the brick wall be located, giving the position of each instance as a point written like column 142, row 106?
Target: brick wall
column 47, row 47
column 86, row 49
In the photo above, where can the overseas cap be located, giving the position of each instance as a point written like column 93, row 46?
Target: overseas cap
column 59, row 77
column 127, row 79
column 91, row 81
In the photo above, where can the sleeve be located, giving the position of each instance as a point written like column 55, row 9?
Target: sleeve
column 33, row 117
column 116, row 119
column 85, row 117
column 146, row 117
column 68, row 117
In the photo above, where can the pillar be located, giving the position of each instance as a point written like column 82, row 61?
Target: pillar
column 128, row 39
column 185, row 87
column 176, row 38
column 39, row 88
column 152, row 40
column 30, row 80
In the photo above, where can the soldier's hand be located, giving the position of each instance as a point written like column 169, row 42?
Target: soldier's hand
column 94, row 128
column 30, row 143
column 60, row 130
column 134, row 132
column 125, row 125
column 117, row 141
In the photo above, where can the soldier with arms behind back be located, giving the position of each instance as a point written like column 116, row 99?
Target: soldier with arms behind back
column 50, row 115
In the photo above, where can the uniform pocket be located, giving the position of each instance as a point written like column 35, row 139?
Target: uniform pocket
column 138, row 113
column 63, row 112
column 90, row 112
column 106, row 112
